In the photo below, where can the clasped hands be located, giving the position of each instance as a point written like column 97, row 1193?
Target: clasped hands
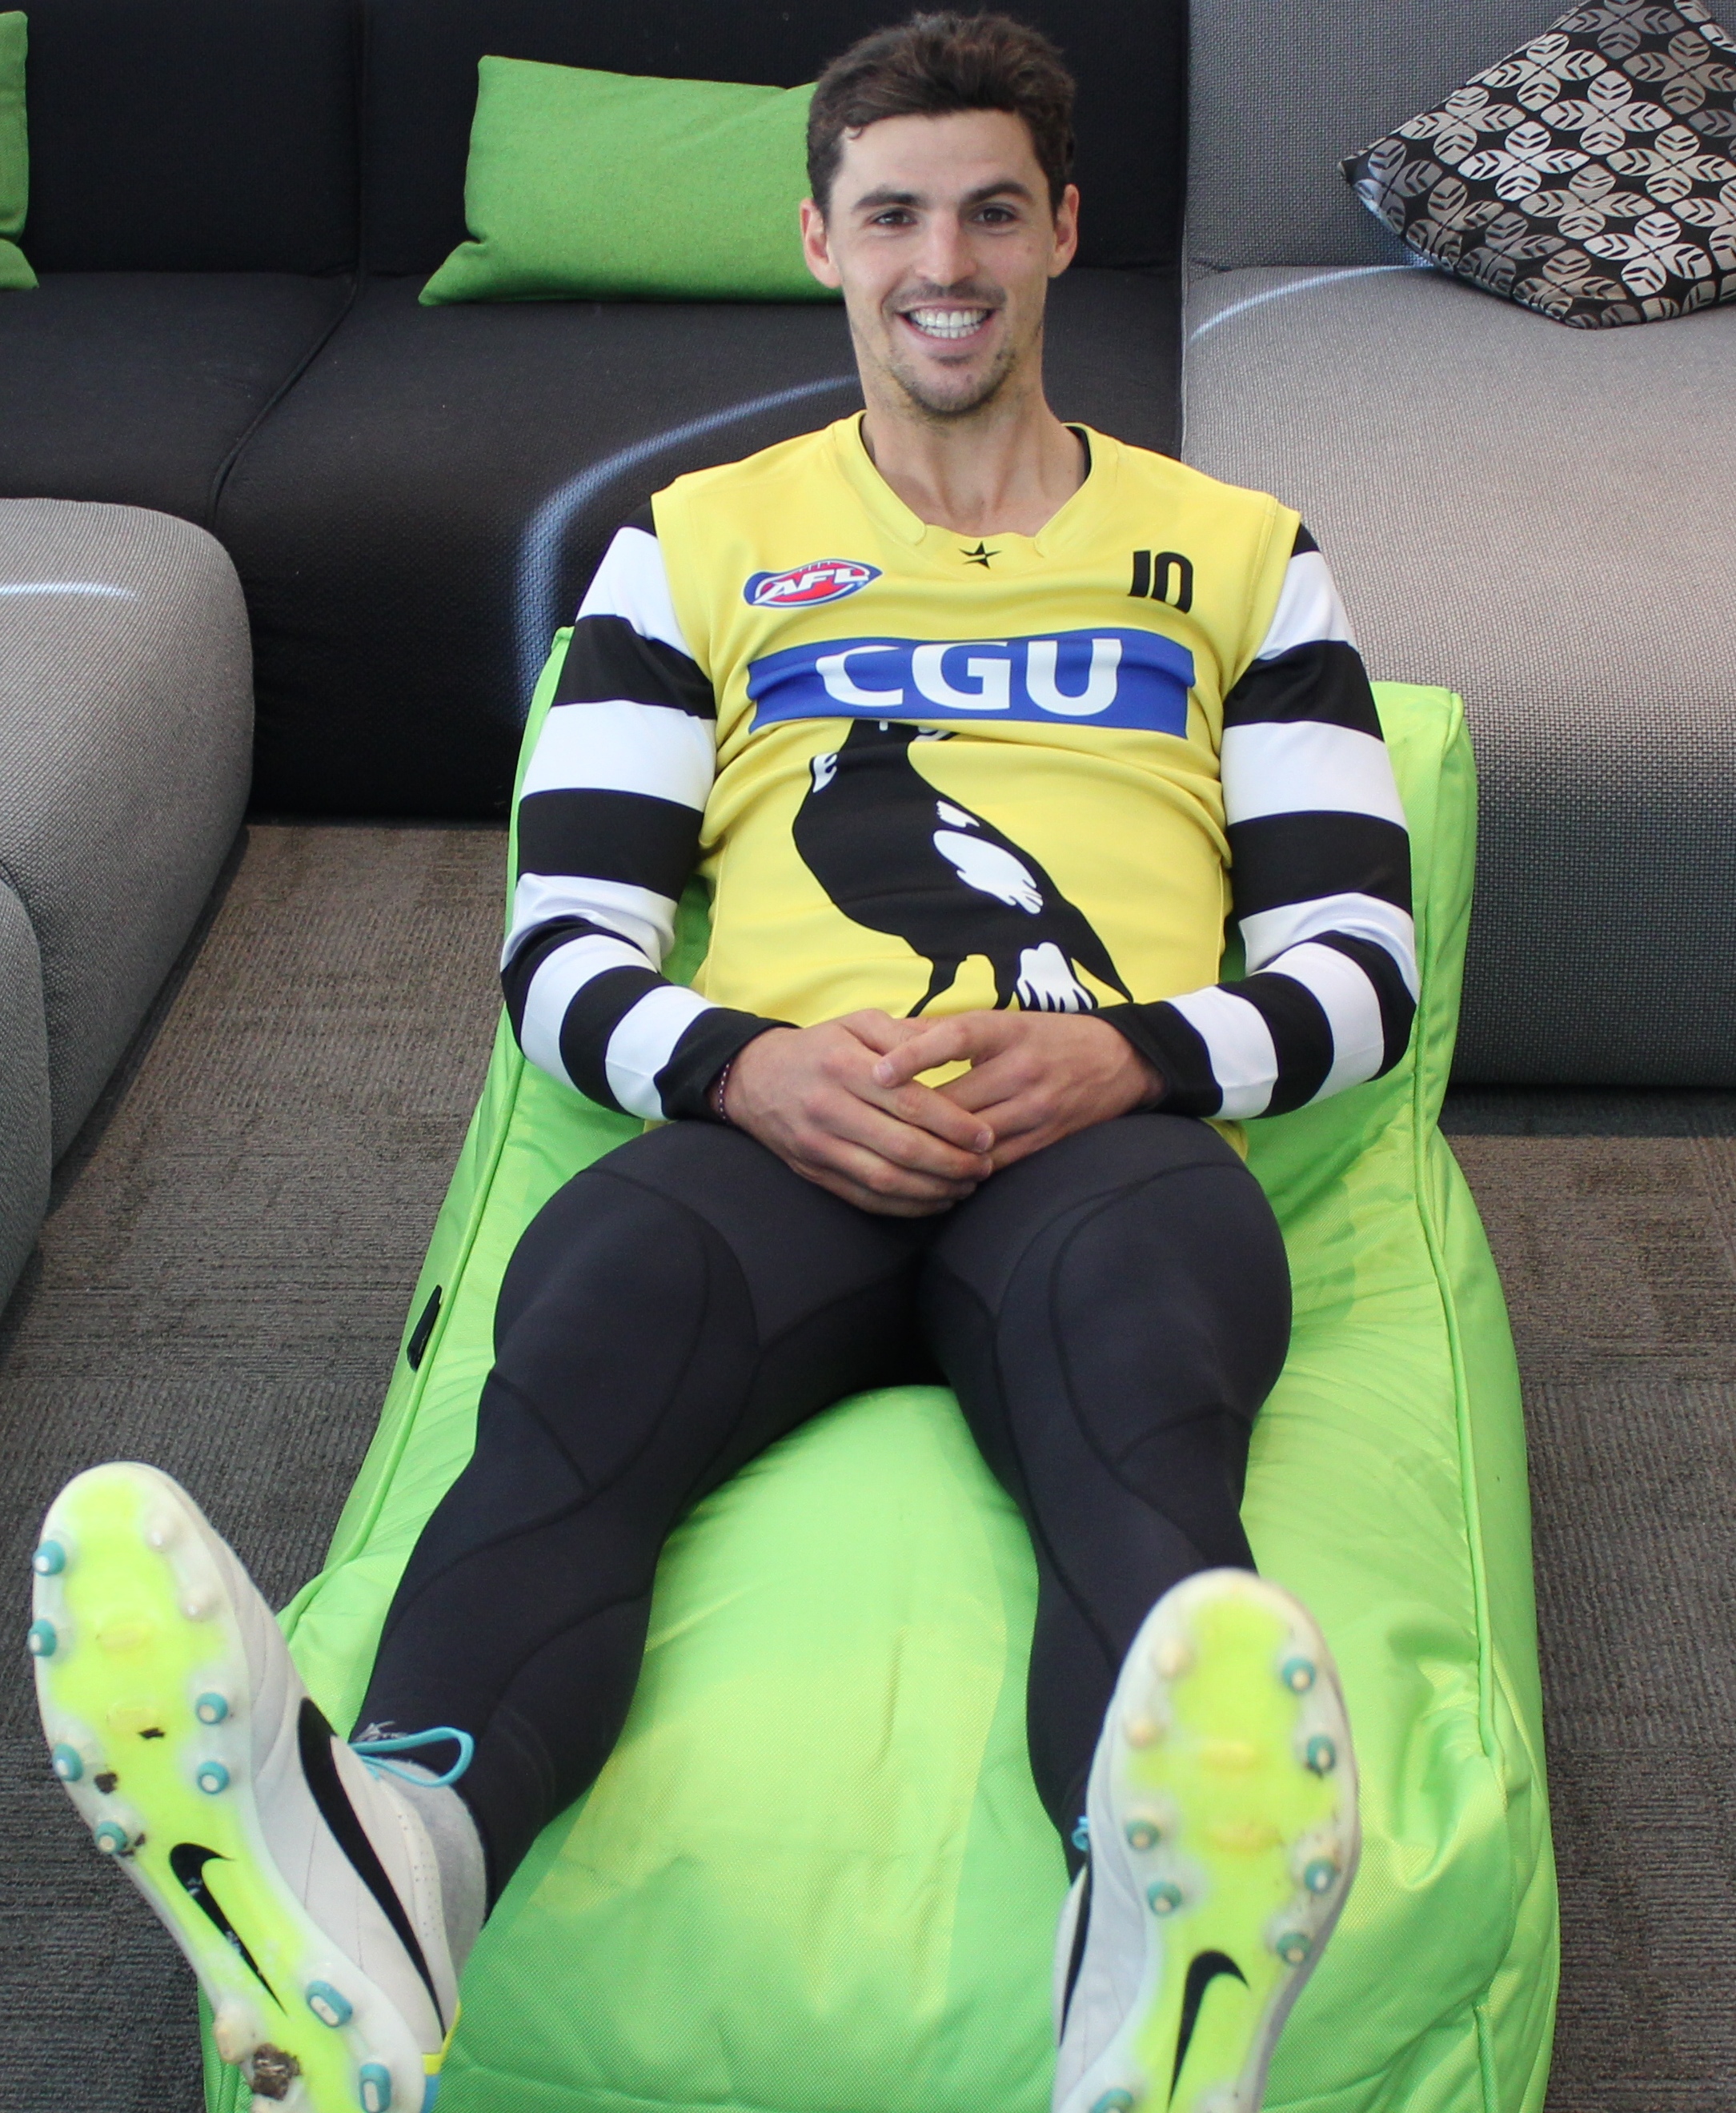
column 842, row 1104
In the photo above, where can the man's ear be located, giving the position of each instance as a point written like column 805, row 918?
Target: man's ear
column 1067, row 231
column 815, row 249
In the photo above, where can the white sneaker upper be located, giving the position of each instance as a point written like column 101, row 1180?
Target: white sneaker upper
column 302, row 1886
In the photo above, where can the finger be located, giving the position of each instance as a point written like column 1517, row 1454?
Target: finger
column 879, row 1031
column 1022, row 1144
column 928, row 1108
column 960, row 1040
column 841, row 1122
column 989, row 1085
column 874, row 1174
column 905, row 1144
column 866, row 1199
column 1018, row 1115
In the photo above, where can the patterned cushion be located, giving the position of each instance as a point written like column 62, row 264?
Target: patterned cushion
column 1591, row 175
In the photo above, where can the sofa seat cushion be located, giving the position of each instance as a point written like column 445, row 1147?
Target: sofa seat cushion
column 1544, row 520
column 428, row 505
column 125, row 720
column 135, row 386
column 23, row 1091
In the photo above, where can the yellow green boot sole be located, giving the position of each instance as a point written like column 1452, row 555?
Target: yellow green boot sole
column 1223, row 1838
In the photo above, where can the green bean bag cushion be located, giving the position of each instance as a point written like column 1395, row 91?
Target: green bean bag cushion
column 814, row 1877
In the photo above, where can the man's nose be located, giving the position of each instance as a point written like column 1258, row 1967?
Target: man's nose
column 946, row 259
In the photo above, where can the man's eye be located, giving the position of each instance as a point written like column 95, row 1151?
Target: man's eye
column 893, row 217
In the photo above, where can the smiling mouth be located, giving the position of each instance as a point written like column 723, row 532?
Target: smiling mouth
column 946, row 326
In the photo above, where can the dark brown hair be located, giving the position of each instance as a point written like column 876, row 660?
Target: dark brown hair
column 933, row 65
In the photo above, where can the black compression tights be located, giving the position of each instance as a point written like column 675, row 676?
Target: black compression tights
column 1111, row 1312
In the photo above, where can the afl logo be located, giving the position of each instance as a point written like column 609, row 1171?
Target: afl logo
column 803, row 586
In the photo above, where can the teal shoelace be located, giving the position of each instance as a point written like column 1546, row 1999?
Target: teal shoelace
column 374, row 1751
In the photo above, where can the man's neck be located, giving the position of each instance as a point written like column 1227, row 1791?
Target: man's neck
column 1005, row 470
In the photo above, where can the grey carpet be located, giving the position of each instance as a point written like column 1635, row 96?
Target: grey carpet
column 1613, row 1217
column 220, row 1290
column 222, row 1284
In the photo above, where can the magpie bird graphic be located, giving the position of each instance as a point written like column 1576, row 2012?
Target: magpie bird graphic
column 896, row 856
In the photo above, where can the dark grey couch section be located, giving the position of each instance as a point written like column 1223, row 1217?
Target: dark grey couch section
column 126, row 719
column 400, row 617
column 1543, row 519
column 139, row 387
column 233, row 209
column 193, row 223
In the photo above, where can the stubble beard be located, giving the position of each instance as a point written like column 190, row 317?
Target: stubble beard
column 919, row 392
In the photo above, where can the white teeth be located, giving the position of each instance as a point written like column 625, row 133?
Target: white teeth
column 947, row 322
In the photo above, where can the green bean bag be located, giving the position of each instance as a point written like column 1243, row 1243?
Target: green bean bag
column 814, row 1877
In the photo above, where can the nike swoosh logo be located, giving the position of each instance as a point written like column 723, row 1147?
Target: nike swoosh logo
column 315, row 1737
column 1202, row 1972
column 1077, row 1959
column 187, row 1860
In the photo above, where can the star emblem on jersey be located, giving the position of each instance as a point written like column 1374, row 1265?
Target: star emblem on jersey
column 980, row 555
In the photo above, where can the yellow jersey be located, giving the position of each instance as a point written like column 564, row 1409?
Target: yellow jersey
column 962, row 771
column 923, row 772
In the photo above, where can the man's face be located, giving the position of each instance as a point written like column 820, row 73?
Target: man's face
column 940, row 233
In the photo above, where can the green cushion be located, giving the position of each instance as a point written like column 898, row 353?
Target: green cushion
column 815, row 1878
column 607, row 186
column 16, row 275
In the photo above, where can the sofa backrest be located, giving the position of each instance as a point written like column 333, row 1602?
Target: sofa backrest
column 421, row 79
column 191, row 135
column 1280, row 93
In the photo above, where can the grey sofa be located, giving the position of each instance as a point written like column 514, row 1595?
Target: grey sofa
column 1543, row 519
column 126, row 726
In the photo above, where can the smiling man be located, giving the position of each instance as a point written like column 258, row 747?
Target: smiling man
column 977, row 725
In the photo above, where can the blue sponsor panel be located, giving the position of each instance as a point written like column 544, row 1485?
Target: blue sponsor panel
column 1097, row 677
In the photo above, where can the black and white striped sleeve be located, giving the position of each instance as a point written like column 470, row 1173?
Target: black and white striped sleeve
column 609, row 822
column 1320, row 882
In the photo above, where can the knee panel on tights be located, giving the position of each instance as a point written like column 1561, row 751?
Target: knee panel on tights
column 1113, row 1331
column 1170, row 1310
column 619, row 1306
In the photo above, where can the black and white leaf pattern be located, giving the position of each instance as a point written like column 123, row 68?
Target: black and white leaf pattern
column 1452, row 130
column 1672, row 165
column 1605, row 114
column 1715, row 219
column 1591, row 174
column 1519, row 165
column 1617, row 27
column 1541, row 74
column 1652, row 253
column 1680, row 75
column 1450, row 212
column 1587, row 202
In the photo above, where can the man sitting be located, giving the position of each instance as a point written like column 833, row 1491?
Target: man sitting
column 977, row 724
